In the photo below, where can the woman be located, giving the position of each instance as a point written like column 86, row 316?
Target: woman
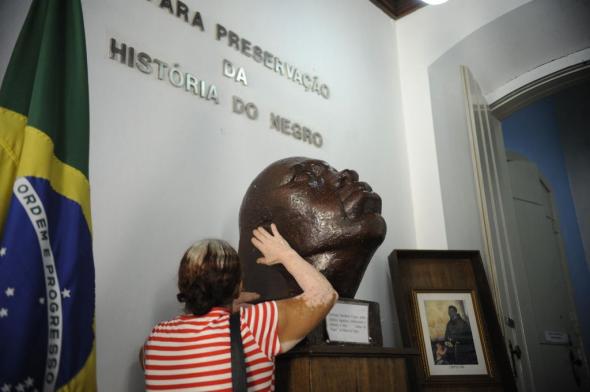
column 192, row 351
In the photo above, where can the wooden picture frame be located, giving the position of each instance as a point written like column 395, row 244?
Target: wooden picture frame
column 449, row 279
column 450, row 345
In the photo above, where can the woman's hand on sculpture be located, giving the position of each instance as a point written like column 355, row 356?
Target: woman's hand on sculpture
column 273, row 246
column 300, row 314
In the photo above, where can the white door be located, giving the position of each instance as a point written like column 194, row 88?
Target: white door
column 553, row 333
column 525, row 292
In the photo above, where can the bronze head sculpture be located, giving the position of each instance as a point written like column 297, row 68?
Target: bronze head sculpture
column 330, row 218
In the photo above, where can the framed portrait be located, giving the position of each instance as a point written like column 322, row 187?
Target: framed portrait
column 450, row 333
column 446, row 310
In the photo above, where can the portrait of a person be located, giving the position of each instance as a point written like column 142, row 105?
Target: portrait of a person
column 329, row 217
column 459, row 348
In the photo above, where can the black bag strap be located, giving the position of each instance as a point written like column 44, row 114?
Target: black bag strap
column 238, row 363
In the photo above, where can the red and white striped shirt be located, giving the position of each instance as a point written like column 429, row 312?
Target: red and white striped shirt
column 192, row 353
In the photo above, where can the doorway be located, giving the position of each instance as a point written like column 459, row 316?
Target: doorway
column 523, row 244
column 553, row 133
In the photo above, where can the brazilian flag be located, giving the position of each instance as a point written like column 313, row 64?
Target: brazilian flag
column 46, row 265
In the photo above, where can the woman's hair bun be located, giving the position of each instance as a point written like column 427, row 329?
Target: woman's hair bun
column 209, row 275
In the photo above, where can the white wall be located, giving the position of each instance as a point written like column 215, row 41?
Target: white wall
column 497, row 53
column 168, row 168
column 12, row 14
column 504, row 43
column 422, row 37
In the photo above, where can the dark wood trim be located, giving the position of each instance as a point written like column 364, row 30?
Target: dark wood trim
column 407, row 7
column 398, row 8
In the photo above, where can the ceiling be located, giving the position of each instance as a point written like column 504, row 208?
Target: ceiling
column 398, row 8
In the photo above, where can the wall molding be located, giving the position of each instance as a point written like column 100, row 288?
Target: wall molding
column 539, row 83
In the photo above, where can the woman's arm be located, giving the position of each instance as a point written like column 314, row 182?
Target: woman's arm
column 298, row 315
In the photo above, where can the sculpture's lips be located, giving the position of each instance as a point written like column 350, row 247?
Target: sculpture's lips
column 358, row 199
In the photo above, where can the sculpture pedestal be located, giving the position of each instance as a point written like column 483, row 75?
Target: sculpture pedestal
column 343, row 368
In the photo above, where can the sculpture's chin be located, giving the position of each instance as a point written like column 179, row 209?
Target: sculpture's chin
column 376, row 225
column 370, row 229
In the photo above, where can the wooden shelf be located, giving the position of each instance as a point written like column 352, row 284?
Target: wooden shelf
column 344, row 368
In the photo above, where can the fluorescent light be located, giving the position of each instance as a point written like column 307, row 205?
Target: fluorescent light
column 434, row 2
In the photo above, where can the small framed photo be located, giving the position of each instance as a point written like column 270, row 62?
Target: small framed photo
column 446, row 310
column 450, row 333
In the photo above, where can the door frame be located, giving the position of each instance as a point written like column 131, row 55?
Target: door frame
column 540, row 88
column 497, row 216
column 501, row 251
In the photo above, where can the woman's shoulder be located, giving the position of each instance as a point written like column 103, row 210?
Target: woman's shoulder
column 192, row 321
column 259, row 312
column 178, row 320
